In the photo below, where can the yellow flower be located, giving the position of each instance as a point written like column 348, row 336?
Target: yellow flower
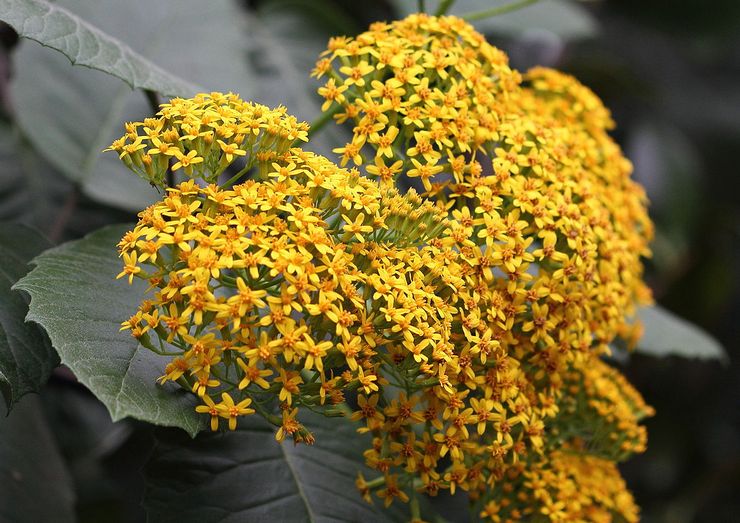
column 356, row 74
column 391, row 491
column 253, row 375
column 290, row 382
column 332, row 93
column 355, row 227
column 229, row 410
column 186, row 161
column 211, row 409
column 130, row 268
column 384, row 142
column 230, row 150
column 290, row 425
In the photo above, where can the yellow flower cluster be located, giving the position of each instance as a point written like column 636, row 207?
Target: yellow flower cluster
column 425, row 93
column 549, row 226
column 206, row 134
column 566, row 485
column 600, row 411
column 542, row 194
column 463, row 331
column 262, row 290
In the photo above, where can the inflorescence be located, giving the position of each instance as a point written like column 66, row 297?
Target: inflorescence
column 463, row 326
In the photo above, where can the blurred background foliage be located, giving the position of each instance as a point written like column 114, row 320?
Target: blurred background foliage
column 669, row 71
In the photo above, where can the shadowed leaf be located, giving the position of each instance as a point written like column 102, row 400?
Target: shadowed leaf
column 669, row 335
column 26, row 358
column 76, row 299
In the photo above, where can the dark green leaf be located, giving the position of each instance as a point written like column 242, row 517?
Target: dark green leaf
column 247, row 476
column 75, row 297
column 26, row 358
column 668, row 335
column 35, row 194
column 23, row 196
column 36, row 485
column 54, row 26
column 70, row 114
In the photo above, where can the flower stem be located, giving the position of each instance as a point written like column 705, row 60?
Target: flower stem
column 421, row 7
column 321, row 121
column 231, row 181
column 415, row 509
column 271, row 418
column 444, row 6
column 377, row 482
column 495, row 11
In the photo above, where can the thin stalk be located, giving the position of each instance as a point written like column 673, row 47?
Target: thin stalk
column 375, row 483
column 444, row 6
column 495, row 11
column 257, row 406
column 231, row 181
column 320, row 122
column 415, row 509
column 421, row 6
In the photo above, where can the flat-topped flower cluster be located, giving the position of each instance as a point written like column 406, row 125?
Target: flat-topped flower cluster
column 463, row 325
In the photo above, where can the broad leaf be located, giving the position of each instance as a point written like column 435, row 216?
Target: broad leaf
column 36, row 485
column 70, row 114
column 56, row 27
column 24, row 196
column 668, row 335
column 75, row 297
column 563, row 18
column 26, row 358
column 247, row 476
column 35, row 194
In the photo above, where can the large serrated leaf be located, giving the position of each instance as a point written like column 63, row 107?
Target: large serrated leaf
column 70, row 114
column 36, row 485
column 84, row 44
column 669, row 335
column 26, row 358
column 247, row 476
column 76, row 299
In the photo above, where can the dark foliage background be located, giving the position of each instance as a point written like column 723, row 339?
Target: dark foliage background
column 670, row 72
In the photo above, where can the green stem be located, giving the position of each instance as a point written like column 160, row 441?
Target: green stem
column 421, row 7
column 231, row 181
column 185, row 383
column 320, row 122
column 444, row 6
column 375, row 483
column 415, row 509
column 271, row 418
column 502, row 9
column 216, row 372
